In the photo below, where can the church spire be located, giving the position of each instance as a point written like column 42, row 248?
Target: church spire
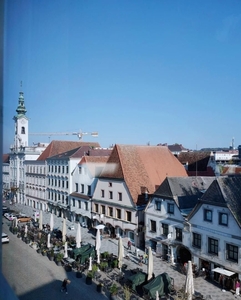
column 21, row 110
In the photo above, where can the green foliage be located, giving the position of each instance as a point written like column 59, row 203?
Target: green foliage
column 127, row 293
column 94, row 268
column 90, row 274
column 59, row 256
column 114, row 289
column 105, row 254
column 114, row 263
column 103, row 265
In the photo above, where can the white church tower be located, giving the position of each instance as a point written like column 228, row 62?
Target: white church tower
column 21, row 124
column 20, row 152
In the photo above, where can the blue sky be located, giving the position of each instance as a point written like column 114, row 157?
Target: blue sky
column 137, row 72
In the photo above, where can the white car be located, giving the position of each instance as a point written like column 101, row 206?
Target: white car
column 10, row 217
column 5, row 238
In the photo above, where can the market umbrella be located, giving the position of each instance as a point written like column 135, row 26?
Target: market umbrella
column 97, row 245
column 51, row 224
column 65, row 250
column 120, row 253
column 78, row 236
column 150, row 264
column 40, row 220
column 100, row 226
column 64, row 231
column 48, row 241
column 90, row 264
column 26, row 230
column 189, row 284
column 157, row 295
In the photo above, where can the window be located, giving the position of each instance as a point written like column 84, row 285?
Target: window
column 79, row 203
column 58, row 169
column 89, row 190
column 23, row 130
column 80, row 170
column 152, row 226
column 102, row 193
column 223, row 219
column 86, row 206
column 170, row 208
column 120, row 196
column 52, row 182
column 208, row 215
column 110, row 184
column 76, row 187
column 128, row 216
column 62, row 169
column 96, row 208
column 63, row 199
column 212, row 246
column 118, row 213
column 67, row 184
column 52, row 169
column 110, row 211
column 179, row 234
column 55, row 169
column 82, row 188
column 165, row 229
column 110, row 194
column 59, row 183
column 73, row 202
column 67, row 169
column 103, row 209
column 232, row 252
column 63, row 184
column 158, row 205
column 196, row 240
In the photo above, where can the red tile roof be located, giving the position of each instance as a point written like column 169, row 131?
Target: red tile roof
column 142, row 167
column 5, row 158
column 57, row 147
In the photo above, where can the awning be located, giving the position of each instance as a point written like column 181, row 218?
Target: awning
column 222, row 271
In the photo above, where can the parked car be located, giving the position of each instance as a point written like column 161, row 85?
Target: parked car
column 22, row 219
column 10, row 217
column 5, row 238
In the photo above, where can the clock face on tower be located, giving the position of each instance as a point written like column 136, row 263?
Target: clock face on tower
column 23, row 121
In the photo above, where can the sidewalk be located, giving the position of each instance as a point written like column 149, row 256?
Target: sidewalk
column 111, row 245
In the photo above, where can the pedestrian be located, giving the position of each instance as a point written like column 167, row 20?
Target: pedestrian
column 64, row 285
column 129, row 245
column 145, row 257
column 237, row 287
column 221, row 279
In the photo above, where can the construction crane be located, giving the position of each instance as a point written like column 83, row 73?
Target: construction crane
column 80, row 134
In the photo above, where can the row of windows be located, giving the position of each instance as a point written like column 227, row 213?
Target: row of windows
column 58, row 197
column 222, row 217
column 58, row 183
column 119, row 195
column 37, row 170
column 170, row 207
column 82, row 189
column 111, row 212
column 213, row 245
column 58, row 169
column 80, row 204
column 165, row 230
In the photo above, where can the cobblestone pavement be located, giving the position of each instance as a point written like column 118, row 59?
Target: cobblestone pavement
column 202, row 286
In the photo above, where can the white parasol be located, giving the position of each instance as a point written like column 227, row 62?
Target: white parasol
column 78, row 236
column 51, row 224
column 97, row 245
column 48, row 241
column 40, row 220
column 120, row 253
column 150, row 264
column 90, row 264
column 100, row 226
column 64, row 231
column 65, row 250
column 189, row 284
column 26, row 230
